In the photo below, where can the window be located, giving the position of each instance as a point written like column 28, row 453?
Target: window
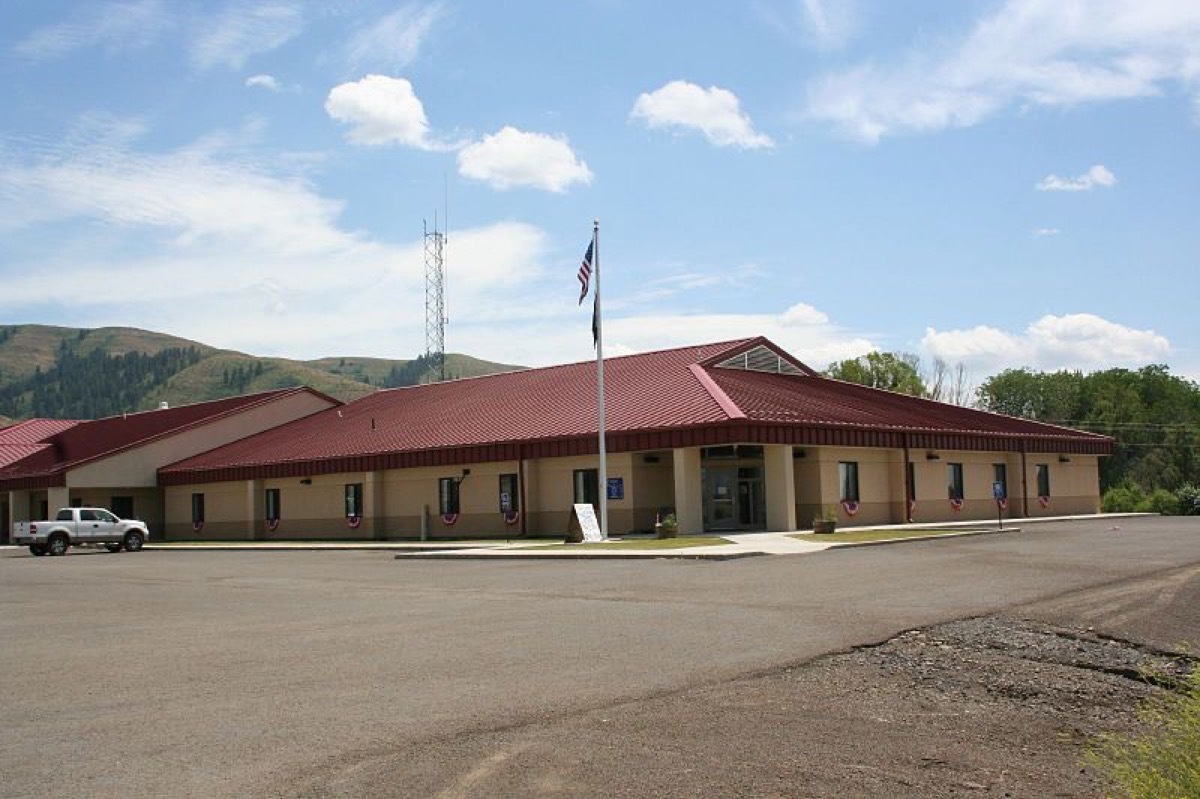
column 448, row 495
column 104, row 516
column 64, row 515
column 121, row 506
column 88, row 515
column 274, row 511
column 1043, row 479
column 197, row 508
column 510, row 499
column 954, row 476
column 587, row 486
column 848, row 480
column 1000, row 475
column 912, row 481
column 354, row 500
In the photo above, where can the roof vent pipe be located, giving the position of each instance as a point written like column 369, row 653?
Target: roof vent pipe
column 164, row 405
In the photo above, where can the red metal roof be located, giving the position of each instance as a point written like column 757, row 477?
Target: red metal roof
column 86, row 441
column 659, row 399
column 22, row 439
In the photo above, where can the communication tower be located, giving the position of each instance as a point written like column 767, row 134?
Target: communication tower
column 435, row 303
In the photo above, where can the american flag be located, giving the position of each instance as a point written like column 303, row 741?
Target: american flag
column 585, row 272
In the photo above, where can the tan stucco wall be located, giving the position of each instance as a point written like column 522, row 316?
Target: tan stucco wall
column 399, row 497
column 139, row 466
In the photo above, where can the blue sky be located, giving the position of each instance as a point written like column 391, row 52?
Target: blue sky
column 997, row 184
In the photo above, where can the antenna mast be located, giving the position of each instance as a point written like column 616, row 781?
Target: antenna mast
column 435, row 302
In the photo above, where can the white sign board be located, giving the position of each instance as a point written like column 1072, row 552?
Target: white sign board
column 586, row 514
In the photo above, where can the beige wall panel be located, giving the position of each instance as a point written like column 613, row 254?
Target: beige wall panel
column 138, row 467
column 224, row 511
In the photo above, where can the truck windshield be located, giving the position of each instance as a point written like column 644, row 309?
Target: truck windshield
column 64, row 515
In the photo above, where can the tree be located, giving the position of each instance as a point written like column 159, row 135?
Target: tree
column 886, row 370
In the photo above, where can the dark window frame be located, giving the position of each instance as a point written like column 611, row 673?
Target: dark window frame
column 1043, row 479
column 509, row 484
column 1000, row 475
column 353, row 504
column 273, row 504
column 955, row 481
column 848, row 485
column 449, row 496
column 198, row 508
column 589, row 481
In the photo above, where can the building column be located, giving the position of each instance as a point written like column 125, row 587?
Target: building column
column 780, row 484
column 689, row 504
column 373, row 503
column 18, row 506
column 58, row 497
column 254, row 509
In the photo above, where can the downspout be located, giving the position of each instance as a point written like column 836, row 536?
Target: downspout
column 521, row 479
column 907, row 484
column 1024, row 483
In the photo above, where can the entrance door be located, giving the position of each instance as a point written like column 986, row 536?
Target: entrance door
column 751, row 515
column 720, row 498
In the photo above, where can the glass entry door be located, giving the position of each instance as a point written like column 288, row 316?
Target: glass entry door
column 733, row 498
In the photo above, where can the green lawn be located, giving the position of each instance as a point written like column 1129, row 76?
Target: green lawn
column 858, row 536
column 644, row 543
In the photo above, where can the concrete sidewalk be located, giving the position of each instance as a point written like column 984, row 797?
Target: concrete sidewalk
column 740, row 545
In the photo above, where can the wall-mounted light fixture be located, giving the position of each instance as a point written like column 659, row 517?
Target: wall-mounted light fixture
column 1063, row 459
column 798, row 453
column 932, row 456
column 306, row 481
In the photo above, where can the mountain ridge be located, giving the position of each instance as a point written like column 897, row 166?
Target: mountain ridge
column 67, row 372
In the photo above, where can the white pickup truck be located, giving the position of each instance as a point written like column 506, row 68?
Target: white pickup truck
column 72, row 526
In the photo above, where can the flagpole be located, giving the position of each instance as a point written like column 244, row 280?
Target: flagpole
column 600, row 381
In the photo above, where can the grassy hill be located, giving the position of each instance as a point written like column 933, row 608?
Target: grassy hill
column 82, row 373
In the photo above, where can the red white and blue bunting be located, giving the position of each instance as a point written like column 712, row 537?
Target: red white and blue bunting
column 956, row 505
column 1044, row 501
column 850, row 506
column 449, row 519
column 272, row 524
column 197, row 526
column 353, row 522
column 512, row 517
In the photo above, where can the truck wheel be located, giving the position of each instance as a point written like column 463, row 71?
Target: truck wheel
column 58, row 544
column 113, row 547
column 37, row 549
column 133, row 541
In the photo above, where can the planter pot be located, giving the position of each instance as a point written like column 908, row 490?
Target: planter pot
column 824, row 525
column 665, row 531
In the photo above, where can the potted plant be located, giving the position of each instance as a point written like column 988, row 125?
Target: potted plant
column 826, row 521
column 667, row 526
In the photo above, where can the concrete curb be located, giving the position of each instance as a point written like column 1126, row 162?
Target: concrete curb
column 964, row 534
column 647, row 554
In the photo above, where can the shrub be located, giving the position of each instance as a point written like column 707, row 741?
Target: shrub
column 1162, row 501
column 1189, row 500
column 1123, row 499
column 1164, row 762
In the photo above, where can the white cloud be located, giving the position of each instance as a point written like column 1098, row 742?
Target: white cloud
column 381, row 110
column 393, row 41
column 202, row 242
column 1046, row 231
column 264, row 82
column 715, row 112
column 1029, row 52
column 512, row 158
column 825, row 24
column 1098, row 175
column 1072, row 341
column 230, row 38
column 113, row 26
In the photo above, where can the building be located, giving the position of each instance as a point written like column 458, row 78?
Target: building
column 113, row 462
column 730, row 436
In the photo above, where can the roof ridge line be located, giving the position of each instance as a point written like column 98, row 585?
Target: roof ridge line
column 716, row 392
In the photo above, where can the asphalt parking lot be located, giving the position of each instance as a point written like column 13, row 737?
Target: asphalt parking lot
column 285, row 673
